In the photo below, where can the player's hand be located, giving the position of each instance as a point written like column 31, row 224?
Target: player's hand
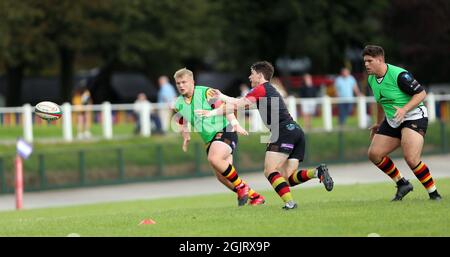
column 373, row 129
column 216, row 93
column 186, row 138
column 203, row 113
column 186, row 141
column 399, row 115
column 240, row 130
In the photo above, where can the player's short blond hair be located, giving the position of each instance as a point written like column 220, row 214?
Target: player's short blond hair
column 183, row 72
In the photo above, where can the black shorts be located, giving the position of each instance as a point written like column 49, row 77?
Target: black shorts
column 291, row 140
column 419, row 125
column 229, row 138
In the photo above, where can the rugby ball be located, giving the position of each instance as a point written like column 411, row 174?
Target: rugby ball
column 48, row 110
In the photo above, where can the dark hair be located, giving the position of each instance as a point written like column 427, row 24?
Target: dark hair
column 373, row 50
column 264, row 67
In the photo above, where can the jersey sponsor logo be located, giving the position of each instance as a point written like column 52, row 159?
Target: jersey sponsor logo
column 408, row 77
column 287, row 146
column 290, row 126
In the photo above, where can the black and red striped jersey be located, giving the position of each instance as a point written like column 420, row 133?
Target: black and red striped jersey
column 270, row 103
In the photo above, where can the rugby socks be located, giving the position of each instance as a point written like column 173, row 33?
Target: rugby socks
column 388, row 167
column 281, row 186
column 424, row 176
column 231, row 174
column 302, row 176
column 251, row 193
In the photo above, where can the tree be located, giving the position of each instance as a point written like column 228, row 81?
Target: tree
column 22, row 43
column 419, row 33
column 320, row 29
column 65, row 28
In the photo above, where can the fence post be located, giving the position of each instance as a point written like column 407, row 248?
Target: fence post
column 107, row 120
column 67, row 122
column 431, row 106
column 27, row 123
column 145, row 111
column 19, row 181
column 42, row 175
column 292, row 107
column 327, row 113
column 362, row 112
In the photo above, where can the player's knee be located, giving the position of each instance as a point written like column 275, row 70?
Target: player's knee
column 412, row 161
column 374, row 156
column 213, row 159
column 270, row 170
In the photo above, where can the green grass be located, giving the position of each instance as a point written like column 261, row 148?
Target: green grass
column 354, row 210
column 55, row 131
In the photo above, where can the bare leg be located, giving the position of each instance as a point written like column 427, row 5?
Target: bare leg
column 412, row 144
column 381, row 146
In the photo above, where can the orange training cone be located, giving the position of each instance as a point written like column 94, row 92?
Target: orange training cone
column 147, row 222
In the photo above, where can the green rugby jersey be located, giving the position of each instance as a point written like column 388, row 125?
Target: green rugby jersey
column 206, row 126
column 388, row 94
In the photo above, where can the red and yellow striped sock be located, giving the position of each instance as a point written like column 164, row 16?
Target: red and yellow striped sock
column 251, row 193
column 231, row 174
column 388, row 167
column 280, row 185
column 301, row 176
column 424, row 176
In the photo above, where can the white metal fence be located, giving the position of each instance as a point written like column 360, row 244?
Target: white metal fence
column 324, row 106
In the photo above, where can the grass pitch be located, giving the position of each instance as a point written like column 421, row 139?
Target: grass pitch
column 353, row 210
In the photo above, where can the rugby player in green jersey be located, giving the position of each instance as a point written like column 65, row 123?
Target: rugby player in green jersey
column 218, row 133
column 402, row 121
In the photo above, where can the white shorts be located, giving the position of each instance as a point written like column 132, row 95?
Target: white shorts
column 308, row 106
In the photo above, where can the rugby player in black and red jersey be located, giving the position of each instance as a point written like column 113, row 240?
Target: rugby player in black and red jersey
column 286, row 147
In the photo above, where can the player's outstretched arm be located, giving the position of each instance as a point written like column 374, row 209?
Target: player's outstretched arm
column 230, row 104
column 224, row 98
column 226, row 108
column 236, row 126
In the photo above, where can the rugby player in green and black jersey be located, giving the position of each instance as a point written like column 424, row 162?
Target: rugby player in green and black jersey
column 402, row 121
column 218, row 133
